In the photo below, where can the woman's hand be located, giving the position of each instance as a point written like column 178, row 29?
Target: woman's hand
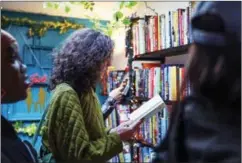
column 116, row 94
column 127, row 129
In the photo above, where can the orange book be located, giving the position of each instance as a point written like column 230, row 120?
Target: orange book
column 150, row 65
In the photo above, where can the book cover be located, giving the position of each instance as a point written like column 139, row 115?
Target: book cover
column 148, row 109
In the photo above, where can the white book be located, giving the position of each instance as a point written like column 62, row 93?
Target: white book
column 157, row 81
column 167, row 30
column 148, row 109
column 185, row 28
column 137, row 79
column 163, row 31
column 141, row 36
column 151, row 34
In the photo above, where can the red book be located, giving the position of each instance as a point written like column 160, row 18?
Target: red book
column 152, row 81
column 156, row 33
column 179, row 26
column 148, row 35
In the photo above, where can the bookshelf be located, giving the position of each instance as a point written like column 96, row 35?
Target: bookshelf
column 139, row 48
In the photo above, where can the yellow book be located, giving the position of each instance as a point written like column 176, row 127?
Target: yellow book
column 173, row 83
column 154, row 129
column 159, row 39
column 175, row 26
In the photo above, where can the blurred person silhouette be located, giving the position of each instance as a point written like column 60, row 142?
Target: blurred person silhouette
column 14, row 88
column 206, row 126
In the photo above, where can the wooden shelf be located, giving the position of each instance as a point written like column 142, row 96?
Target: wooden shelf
column 143, row 99
column 161, row 54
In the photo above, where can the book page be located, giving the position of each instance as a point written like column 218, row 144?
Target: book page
column 149, row 108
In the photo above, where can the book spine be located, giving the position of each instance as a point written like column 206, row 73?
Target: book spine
column 167, row 31
column 173, row 32
column 182, row 26
column 163, row 32
column 166, row 83
column 173, row 81
column 170, row 83
column 155, row 33
column 162, row 82
column 185, row 28
column 179, row 26
column 163, row 125
column 159, row 32
column 146, row 36
column 153, row 81
column 149, row 84
column 170, row 29
column 180, row 81
column 142, row 36
column 146, row 83
column 188, row 22
column 137, row 82
column 151, row 34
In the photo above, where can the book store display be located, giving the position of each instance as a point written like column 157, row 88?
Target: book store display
column 153, row 87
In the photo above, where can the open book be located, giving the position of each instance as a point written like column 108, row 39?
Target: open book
column 148, row 109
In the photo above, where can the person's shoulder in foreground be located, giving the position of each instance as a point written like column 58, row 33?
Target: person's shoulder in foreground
column 206, row 126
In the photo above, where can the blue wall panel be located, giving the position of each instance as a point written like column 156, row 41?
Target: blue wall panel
column 38, row 60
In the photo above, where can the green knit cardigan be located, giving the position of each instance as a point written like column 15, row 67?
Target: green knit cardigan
column 74, row 129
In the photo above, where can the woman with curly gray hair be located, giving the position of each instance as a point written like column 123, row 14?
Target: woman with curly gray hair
column 74, row 129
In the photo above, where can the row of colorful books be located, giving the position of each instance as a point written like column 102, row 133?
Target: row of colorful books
column 163, row 31
column 114, row 79
column 166, row 80
column 117, row 117
column 151, row 131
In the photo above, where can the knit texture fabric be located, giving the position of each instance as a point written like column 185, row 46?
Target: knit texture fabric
column 74, row 129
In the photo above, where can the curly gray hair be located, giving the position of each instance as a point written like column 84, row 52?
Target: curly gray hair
column 79, row 61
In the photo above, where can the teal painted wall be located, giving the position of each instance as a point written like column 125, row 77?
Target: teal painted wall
column 52, row 39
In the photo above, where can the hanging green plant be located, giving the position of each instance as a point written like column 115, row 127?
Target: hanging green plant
column 39, row 28
column 119, row 19
column 30, row 130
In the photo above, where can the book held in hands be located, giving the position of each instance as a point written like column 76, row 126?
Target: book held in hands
column 148, row 109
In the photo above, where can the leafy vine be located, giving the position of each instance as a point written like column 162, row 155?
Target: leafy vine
column 119, row 19
column 39, row 28
column 30, row 130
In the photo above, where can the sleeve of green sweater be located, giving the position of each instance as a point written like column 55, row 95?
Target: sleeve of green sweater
column 72, row 137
